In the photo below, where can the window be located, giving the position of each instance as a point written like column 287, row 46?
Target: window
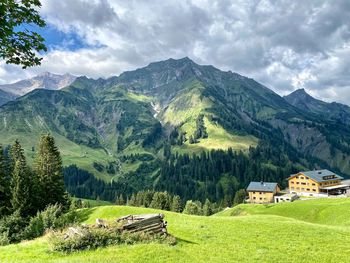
column 253, row 192
column 314, row 190
column 303, row 183
column 254, row 197
column 303, row 189
column 292, row 188
column 313, row 184
column 298, row 183
column 260, row 198
column 292, row 182
column 301, row 177
column 260, row 193
column 307, row 189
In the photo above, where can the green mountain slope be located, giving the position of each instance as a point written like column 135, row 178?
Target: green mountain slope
column 101, row 124
column 331, row 111
column 6, row 97
column 249, row 238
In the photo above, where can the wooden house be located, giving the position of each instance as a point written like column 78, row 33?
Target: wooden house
column 262, row 192
column 316, row 183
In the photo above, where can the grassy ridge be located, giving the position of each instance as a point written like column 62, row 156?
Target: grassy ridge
column 321, row 211
column 221, row 238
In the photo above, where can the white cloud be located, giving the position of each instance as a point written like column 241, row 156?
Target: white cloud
column 283, row 44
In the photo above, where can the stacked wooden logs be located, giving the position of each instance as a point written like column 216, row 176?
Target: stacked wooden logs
column 149, row 223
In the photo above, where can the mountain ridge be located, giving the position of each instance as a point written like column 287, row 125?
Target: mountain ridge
column 192, row 108
column 333, row 111
column 45, row 80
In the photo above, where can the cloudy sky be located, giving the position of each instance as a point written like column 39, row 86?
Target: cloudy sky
column 283, row 44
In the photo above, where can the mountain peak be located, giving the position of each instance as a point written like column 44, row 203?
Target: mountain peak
column 45, row 80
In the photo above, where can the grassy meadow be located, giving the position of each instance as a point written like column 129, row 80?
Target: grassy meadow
column 303, row 231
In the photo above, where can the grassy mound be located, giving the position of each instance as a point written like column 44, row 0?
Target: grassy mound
column 256, row 237
column 335, row 212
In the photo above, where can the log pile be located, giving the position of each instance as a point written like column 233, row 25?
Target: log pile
column 149, row 223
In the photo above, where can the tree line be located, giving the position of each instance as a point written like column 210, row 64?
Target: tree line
column 26, row 189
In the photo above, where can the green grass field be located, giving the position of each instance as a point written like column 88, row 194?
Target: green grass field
column 303, row 231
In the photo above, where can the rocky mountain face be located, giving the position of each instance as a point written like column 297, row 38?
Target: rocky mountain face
column 6, row 97
column 331, row 111
column 46, row 80
column 101, row 124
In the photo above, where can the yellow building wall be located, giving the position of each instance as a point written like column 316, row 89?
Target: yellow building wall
column 262, row 197
column 303, row 184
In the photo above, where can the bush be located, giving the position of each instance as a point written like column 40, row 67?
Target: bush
column 91, row 238
column 51, row 218
column 11, row 228
column 193, row 208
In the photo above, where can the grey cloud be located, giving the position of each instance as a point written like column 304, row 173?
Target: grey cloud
column 283, row 44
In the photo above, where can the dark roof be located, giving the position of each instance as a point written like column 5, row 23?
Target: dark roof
column 261, row 187
column 321, row 175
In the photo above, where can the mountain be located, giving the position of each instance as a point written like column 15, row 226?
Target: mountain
column 178, row 126
column 45, row 80
column 331, row 111
column 6, row 96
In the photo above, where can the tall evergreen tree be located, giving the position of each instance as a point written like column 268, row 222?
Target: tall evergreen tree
column 207, row 208
column 5, row 175
column 48, row 166
column 20, row 184
column 176, row 204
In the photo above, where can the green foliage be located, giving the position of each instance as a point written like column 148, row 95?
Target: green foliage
column 201, row 131
column 161, row 200
column 22, row 183
column 120, row 200
column 5, row 179
column 92, row 238
column 176, row 204
column 193, row 208
column 239, row 197
column 207, row 208
column 20, row 46
column 48, row 167
column 11, row 228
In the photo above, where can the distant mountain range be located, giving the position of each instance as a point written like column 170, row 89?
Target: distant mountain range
column 331, row 111
column 99, row 124
column 45, row 80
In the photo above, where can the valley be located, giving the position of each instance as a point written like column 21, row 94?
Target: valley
column 302, row 231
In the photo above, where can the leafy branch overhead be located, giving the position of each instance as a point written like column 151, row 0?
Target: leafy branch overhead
column 19, row 45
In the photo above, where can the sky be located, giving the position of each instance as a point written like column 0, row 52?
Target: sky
column 285, row 45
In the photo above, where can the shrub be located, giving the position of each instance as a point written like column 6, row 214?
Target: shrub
column 11, row 228
column 192, row 208
column 51, row 218
column 88, row 239
column 91, row 238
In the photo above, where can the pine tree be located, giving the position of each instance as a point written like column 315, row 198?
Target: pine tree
column 239, row 197
column 20, row 184
column 192, row 208
column 176, row 204
column 5, row 195
column 207, row 208
column 120, row 200
column 132, row 200
column 48, row 166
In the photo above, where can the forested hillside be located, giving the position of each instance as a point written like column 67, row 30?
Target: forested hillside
column 174, row 125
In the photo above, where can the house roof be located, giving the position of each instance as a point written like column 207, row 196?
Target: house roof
column 320, row 175
column 261, row 187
